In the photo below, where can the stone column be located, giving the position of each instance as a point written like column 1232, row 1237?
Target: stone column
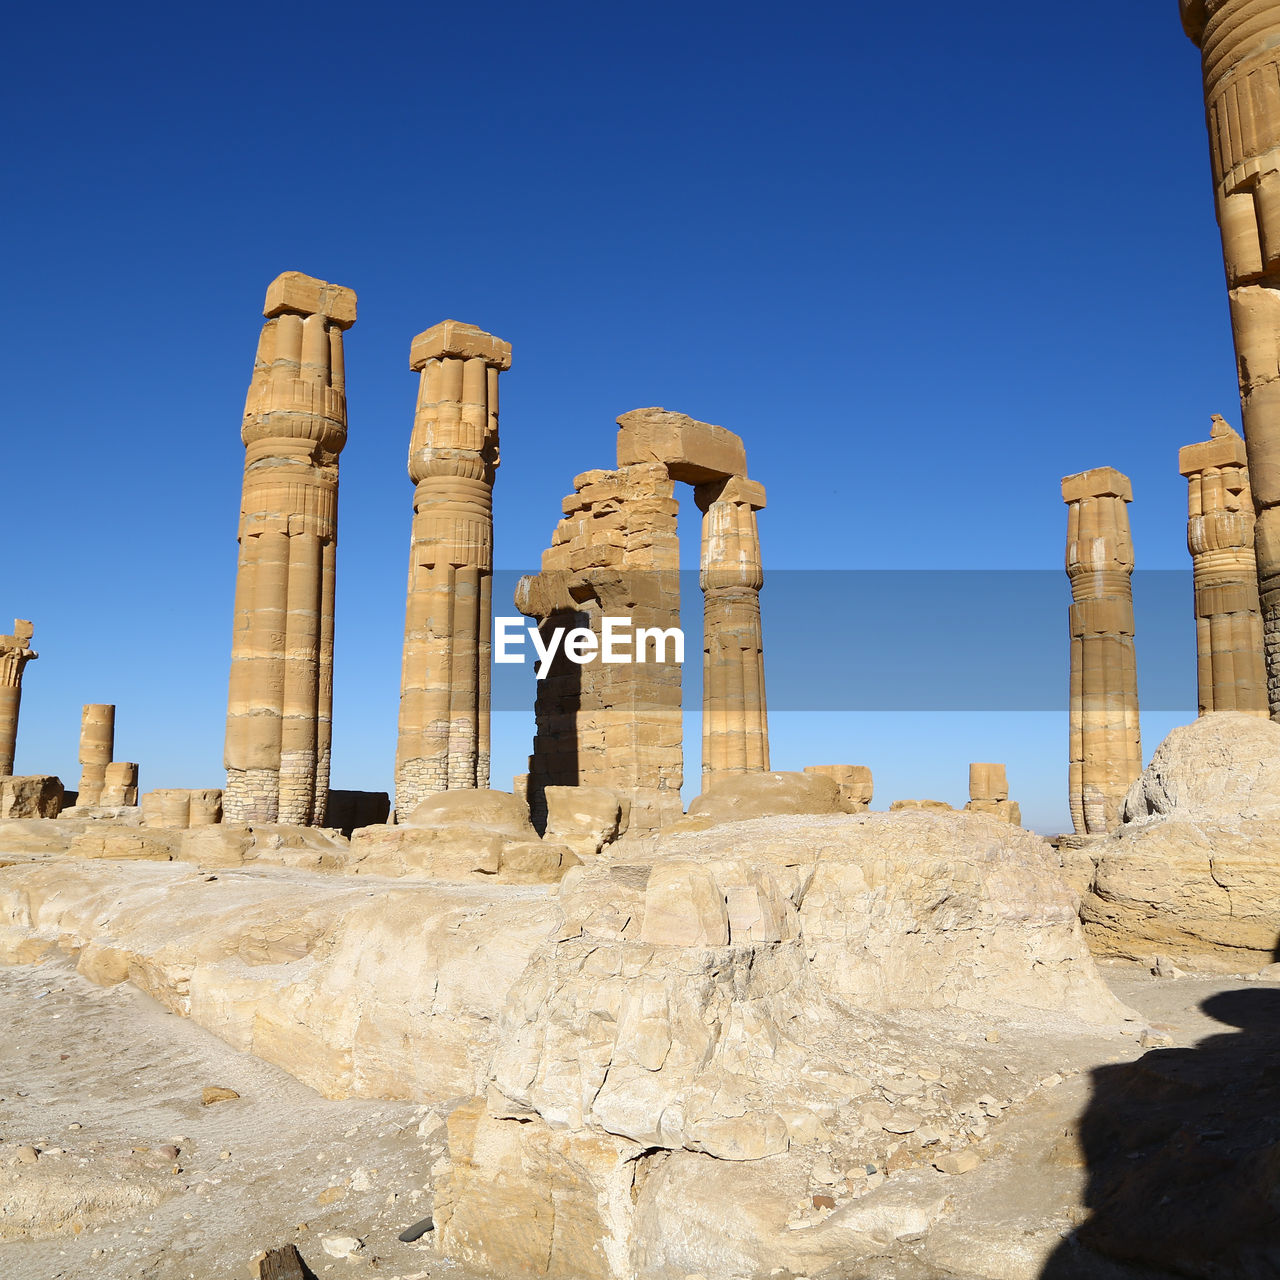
column 120, row 783
column 15, row 653
column 445, row 676
column 1220, row 523
column 97, row 746
column 1106, row 749
column 1239, row 42
column 735, row 728
column 989, row 793
column 280, row 704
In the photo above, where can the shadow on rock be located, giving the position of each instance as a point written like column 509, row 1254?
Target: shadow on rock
column 1182, row 1149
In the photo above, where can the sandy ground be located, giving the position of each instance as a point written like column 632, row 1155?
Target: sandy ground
column 100, row 1080
column 104, row 1076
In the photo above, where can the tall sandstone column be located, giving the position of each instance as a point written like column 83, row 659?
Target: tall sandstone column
column 1239, row 42
column 1106, row 747
column 1231, row 673
column 97, row 746
column 280, row 704
column 15, row 653
column 735, row 728
column 445, row 677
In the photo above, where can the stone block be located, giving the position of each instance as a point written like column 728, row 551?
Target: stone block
column 35, row 795
column 453, row 339
column 584, row 818
column 764, row 795
column 1101, row 482
column 692, row 451
column 294, row 291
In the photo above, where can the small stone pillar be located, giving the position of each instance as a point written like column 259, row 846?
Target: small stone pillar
column 1231, row 668
column 1239, row 42
column 445, row 676
column 97, row 745
column 989, row 793
column 854, row 781
column 15, row 653
column 1105, row 743
column 280, row 701
column 735, row 726
column 120, row 784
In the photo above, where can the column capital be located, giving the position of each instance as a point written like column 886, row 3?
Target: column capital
column 451, row 339
column 1224, row 448
column 1101, row 482
column 305, row 295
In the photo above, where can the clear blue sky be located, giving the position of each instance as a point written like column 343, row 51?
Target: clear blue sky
column 925, row 259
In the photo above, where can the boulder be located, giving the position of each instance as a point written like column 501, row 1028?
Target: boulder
column 763, row 795
column 496, row 811
column 1193, row 872
column 37, row 795
column 585, row 818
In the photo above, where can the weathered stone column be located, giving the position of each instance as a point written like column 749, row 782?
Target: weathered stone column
column 120, row 783
column 1239, row 42
column 445, row 677
column 989, row 793
column 15, row 653
column 735, row 727
column 97, row 746
column 1229, row 652
column 1106, row 748
column 280, row 704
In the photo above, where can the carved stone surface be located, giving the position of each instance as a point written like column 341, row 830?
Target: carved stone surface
column 15, row 653
column 1231, row 671
column 1105, row 745
column 1240, row 52
column 279, row 707
column 445, row 678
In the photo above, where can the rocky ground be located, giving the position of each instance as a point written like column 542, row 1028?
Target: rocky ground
column 112, row 1166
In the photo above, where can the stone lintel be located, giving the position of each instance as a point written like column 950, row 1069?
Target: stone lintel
column 1101, row 482
column 1223, row 451
column 735, row 489
column 294, row 291
column 454, row 340
column 692, row 451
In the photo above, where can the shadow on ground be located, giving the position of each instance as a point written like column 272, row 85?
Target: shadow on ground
column 1182, row 1149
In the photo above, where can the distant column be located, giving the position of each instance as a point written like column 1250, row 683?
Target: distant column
column 1106, row 748
column 1220, row 522
column 735, row 727
column 15, row 653
column 989, row 793
column 280, row 704
column 97, row 745
column 1239, row 43
column 453, row 455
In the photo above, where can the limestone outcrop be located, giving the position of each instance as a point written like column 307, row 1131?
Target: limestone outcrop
column 355, row 994
column 727, row 997
column 1194, row 871
column 280, row 699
